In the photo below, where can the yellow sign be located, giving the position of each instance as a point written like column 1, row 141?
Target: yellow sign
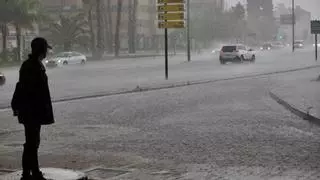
column 171, row 24
column 170, row 1
column 171, row 16
column 171, row 8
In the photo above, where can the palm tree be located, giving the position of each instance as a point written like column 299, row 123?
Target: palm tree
column 26, row 13
column 117, row 33
column 89, row 4
column 69, row 30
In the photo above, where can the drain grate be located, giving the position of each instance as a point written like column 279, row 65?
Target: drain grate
column 105, row 173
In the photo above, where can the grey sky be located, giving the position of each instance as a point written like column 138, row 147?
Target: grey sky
column 311, row 5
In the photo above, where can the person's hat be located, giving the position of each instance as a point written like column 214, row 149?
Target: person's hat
column 40, row 43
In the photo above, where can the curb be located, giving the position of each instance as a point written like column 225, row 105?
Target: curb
column 50, row 173
column 296, row 111
column 165, row 86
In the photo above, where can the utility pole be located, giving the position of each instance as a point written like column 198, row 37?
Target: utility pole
column 188, row 31
column 293, row 24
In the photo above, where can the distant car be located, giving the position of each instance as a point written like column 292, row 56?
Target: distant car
column 298, row 44
column 66, row 58
column 236, row 53
column 266, row 47
column 314, row 45
column 2, row 79
column 214, row 51
column 278, row 45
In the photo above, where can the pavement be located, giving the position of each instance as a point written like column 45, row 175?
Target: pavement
column 225, row 127
column 300, row 94
column 51, row 174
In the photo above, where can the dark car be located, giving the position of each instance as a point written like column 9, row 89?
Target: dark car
column 2, row 79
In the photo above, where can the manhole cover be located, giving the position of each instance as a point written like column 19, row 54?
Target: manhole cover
column 104, row 173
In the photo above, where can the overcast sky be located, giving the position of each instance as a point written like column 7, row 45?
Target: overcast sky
column 311, row 5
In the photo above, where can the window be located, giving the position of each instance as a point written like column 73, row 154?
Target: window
column 228, row 48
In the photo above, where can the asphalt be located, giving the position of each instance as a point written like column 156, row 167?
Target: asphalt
column 222, row 130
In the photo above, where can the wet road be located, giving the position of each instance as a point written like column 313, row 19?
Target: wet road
column 101, row 77
column 228, row 129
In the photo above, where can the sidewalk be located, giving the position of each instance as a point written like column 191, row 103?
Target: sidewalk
column 300, row 94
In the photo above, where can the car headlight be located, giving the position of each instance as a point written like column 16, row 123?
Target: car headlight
column 269, row 48
column 261, row 48
column 46, row 61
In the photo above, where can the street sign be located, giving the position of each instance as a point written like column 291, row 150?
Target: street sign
column 286, row 19
column 315, row 27
column 171, row 24
column 171, row 16
column 171, row 8
column 170, row 1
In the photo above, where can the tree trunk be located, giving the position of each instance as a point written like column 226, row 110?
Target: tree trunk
column 100, row 45
column 92, row 35
column 4, row 41
column 67, row 46
column 132, row 25
column 109, row 27
column 117, row 33
column 18, row 38
column 130, row 22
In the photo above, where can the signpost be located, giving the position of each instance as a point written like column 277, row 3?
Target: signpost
column 315, row 29
column 170, row 15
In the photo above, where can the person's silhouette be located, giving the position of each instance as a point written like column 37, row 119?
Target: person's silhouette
column 31, row 103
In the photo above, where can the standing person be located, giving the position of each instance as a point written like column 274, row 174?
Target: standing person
column 31, row 103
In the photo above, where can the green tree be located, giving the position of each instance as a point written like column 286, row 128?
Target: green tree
column 69, row 30
column 237, row 15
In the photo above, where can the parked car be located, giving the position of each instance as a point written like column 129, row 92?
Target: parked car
column 236, row 53
column 2, row 79
column 298, row 44
column 66, row 58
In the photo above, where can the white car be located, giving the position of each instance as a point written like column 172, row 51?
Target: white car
column 66, row 58
column 2, row 79
column 236, row 53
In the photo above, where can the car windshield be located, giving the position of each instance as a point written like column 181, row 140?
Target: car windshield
column 228, row 48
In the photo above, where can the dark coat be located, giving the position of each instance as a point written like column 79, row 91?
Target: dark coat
column 31, row 101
